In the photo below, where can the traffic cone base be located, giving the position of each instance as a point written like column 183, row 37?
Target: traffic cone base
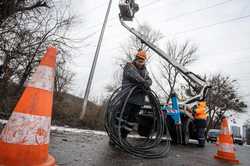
column 226, row 157
column 226, row 152
column 20, row 155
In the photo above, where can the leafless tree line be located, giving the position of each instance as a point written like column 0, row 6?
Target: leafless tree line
column 221, row 98
column 27, row 28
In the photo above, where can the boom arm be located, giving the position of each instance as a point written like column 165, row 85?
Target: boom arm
column 187, row 75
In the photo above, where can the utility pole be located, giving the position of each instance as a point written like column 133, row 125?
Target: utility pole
column 86, row 95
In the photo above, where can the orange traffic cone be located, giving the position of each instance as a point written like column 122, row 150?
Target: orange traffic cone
column 226, row 149
column 25, row 138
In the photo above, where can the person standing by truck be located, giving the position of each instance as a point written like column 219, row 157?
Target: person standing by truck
column 135, row 73
column 200, row 121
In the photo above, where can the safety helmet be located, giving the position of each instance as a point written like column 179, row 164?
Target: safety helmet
column 141, row 54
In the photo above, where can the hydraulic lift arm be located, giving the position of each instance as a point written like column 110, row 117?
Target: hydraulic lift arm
column 127, row 11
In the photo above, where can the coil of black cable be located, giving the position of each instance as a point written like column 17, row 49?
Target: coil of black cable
column 156, row 144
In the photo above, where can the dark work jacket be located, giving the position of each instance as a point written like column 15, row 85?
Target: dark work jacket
column 134, row 76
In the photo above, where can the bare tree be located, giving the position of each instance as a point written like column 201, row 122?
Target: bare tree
column 134, row 44
column 222, row 97
column 9, row 8
column 184, row 55
column 247, row 122
column 116, row 82
column 25, row 33
column 63, row 78
column 129, row 49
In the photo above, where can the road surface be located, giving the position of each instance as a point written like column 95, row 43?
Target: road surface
column 91, row 149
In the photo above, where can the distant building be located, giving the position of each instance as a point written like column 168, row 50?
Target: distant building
column 246, row 133
column 236, row 131
column 1, row 66
column 1, row 60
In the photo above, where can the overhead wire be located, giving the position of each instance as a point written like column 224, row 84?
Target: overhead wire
column 197, row 11
column 114, row 17
column 214, row 24
column 95, row 8
column 205, row 26
column 175, row 17
column 245, row 7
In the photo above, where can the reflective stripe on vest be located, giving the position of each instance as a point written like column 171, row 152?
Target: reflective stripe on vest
column 43, row 78
column 26, row 129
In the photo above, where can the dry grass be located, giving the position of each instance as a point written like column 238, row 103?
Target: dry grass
column 67, row 109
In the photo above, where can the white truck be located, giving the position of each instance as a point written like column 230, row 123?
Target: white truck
column 236, row 133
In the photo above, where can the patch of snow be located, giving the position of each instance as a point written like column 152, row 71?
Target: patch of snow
column 68, row 129
column 75, row 130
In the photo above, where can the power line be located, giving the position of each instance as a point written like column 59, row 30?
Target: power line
column 235, row 51
column 235, row 62
column 95, row 8
column 114, row 17
column 196, row 11
column 90, row 35
column 83, row 15
column 244, row 80
column 244, row 8
column 214, row 24
column 152, row 3
column 190, row 30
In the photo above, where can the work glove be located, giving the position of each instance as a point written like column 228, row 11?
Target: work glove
column 146, row 85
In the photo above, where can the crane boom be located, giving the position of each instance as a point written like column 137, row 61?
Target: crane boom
column 127, row 14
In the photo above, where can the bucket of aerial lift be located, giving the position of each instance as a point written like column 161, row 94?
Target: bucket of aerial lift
column 128, row 8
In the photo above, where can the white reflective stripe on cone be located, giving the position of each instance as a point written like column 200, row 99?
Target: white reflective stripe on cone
column 226, row 148
column 43, row 78
column 26, row 129
column 224, row 131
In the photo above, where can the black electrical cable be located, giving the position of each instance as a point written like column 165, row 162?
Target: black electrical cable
column 156, row 144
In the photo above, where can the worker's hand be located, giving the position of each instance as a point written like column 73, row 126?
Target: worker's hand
column 143, row 86
column 146, row 84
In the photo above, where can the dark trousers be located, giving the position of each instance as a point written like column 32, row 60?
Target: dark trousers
column 200, row 125
column 130, row 114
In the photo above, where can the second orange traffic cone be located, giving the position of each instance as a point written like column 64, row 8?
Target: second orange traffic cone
column 25, row 138
column 225, row 142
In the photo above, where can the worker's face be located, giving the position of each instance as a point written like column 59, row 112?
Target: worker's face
column 140, row 62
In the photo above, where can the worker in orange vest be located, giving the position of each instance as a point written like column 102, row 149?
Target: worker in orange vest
column 200, row 121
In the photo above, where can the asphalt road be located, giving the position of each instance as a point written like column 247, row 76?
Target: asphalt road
column 90, row 149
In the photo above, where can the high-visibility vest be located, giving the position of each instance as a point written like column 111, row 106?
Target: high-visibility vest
column 200, row 112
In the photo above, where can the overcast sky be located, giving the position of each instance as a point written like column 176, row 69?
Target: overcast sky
column 220, row 29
